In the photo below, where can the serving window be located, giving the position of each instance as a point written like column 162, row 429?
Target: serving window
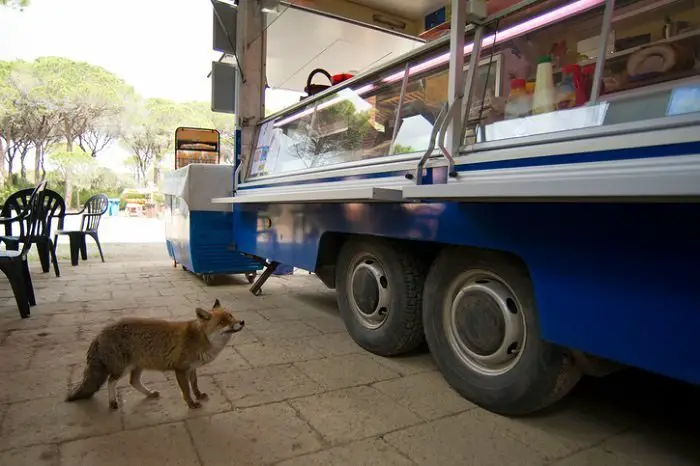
column 536, row 75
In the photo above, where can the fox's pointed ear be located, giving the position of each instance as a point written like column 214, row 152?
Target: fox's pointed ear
column 217, row 304
column 202, row 314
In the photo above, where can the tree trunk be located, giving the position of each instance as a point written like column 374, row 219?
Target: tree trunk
column 10, row 168
column 69, row 191
column 156, row 174
column 38, row 163
column 2, row 164
column 23, row 166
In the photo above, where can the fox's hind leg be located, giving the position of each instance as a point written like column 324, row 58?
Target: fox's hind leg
column 135, row 380
column 195, row 388
column 112, row 390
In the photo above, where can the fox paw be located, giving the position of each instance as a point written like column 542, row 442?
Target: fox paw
column 202, row 396
column 153, row 394
column 113, row 404
column 195, row 405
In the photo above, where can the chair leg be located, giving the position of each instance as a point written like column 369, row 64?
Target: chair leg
column 28, row 283
column 83, row 248
column 99, row 247
column 54, row 259
column 74, row 249
column 16, row 276
column 44, row 255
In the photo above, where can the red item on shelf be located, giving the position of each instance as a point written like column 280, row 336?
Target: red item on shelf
column 517, row 83
column 587, row 73
column 582, row 92
column 339, row 78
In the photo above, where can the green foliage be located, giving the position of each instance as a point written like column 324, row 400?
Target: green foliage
column 400, row 149
column 151, row 131
column 15, row 4
column 57, row 106
column 78, row 170
column 10, row 188
column 84, row 97
column 74, row 162
column 226, row 124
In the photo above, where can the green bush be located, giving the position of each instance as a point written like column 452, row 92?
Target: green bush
column 10, row 188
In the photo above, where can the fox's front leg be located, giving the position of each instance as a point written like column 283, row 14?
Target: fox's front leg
column 195, row 388
column 184, row 383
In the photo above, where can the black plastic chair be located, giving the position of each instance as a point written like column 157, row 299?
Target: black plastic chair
column 92, row 212
column 52, row 206
column 14, row 264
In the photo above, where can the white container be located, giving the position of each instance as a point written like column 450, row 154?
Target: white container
column 543, row 97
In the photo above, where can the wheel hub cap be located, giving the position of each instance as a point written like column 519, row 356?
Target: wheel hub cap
column 484, row 323
column 369, row 290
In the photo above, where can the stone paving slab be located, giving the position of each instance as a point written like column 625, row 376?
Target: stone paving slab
column 293, row 389
column 167, row 444
column 372, row 452
column 257, row 435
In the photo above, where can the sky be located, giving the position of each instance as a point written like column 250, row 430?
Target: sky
column 161, row 47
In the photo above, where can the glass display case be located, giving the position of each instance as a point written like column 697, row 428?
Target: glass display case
column 537, row 74
column 196, row 145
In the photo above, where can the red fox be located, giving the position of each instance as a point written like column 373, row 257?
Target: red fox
column 134, row 345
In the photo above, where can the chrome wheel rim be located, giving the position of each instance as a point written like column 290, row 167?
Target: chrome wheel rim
column 368, row 291
column 484, row 322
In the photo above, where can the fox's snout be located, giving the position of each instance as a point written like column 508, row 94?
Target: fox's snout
column 236, row 327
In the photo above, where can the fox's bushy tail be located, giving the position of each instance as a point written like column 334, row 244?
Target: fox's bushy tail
column 94, row 375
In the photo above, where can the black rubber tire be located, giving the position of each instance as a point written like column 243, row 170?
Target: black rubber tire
column 402, row 331
column 545, row 372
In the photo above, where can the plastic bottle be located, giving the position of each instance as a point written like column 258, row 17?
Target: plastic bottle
column 543, row 98
column 519, row 103
column 570, row 90
column 530, row 88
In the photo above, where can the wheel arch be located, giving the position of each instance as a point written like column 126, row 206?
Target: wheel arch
column 331, row 243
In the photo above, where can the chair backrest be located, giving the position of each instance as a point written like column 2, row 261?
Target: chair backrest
column 52, row 206
column 17, row 203
column 33, row 213
column 95, row 208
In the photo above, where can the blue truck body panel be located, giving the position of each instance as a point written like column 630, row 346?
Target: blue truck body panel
column 615, row 280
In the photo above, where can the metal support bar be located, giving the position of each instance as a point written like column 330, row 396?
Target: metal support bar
column 270, row 268
column 250, row 90
column 399, row 108
column 237, row 159
column 602, row 47
column 450, row 116
column 455, row 85
column 236, row 177
column 439, row 121
column 469, row 82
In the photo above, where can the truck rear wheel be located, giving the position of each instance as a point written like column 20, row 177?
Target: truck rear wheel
column 482, row 328
column 379, row 291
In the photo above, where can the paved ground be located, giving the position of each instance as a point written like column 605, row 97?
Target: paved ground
column 292, row 389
